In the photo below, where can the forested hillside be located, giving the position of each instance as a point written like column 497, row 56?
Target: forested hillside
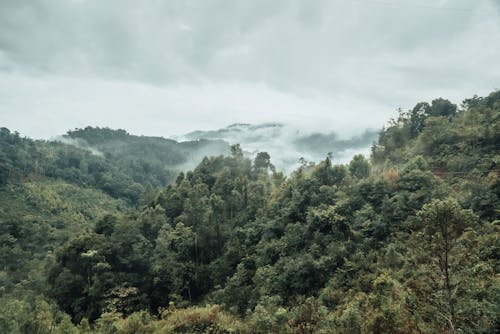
column 403, row 242
column 122, row 165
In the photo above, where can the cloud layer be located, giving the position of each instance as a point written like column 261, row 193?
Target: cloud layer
column 287, row 145
column 165, row 67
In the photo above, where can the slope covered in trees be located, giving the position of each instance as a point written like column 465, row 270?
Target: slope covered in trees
column 404, row 243
column 120, row 164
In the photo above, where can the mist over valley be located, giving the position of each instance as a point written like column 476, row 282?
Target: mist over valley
column 286, row 144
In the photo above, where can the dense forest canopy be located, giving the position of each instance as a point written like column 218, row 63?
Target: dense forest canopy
column 403, row 242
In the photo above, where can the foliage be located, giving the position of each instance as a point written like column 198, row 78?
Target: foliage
column 404, row 243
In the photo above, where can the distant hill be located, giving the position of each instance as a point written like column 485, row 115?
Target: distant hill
column 122, row 145
column 114, row 161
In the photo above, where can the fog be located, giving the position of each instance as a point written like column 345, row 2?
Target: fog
column 287, row 145
column 77, row 142
column 166, row 68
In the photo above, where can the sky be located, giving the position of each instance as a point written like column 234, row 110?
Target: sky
column 170, row 67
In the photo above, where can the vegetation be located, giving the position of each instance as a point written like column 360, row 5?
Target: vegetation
column 404, row 243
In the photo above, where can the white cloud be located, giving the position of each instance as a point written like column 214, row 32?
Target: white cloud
column 165, row 67
column 56, row 104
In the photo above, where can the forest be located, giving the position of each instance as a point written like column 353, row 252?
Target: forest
column 108, row 237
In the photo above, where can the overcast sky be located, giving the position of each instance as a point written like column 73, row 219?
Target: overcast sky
column 168, row 67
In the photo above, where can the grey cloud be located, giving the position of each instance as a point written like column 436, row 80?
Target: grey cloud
column 288, row 44
column 333, row 62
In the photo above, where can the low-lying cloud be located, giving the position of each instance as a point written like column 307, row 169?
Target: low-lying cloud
column 78, row 142
column 287, row 144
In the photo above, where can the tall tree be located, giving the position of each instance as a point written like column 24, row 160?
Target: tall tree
column 444, row 224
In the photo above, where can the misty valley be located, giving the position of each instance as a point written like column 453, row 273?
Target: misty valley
column 256, row 228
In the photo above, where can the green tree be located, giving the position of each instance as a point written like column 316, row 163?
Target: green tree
column 262, row 162
column 444, row 223
column 359, row 167
column 442, row 107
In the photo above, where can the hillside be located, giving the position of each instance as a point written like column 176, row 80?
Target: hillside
column 405, row 242
column 122, row 165
column 156, row 151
